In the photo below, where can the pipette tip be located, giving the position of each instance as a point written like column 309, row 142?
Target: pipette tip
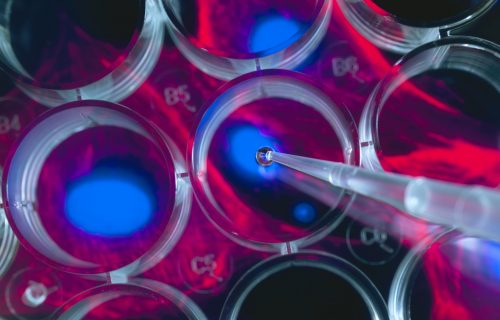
column 263, row 156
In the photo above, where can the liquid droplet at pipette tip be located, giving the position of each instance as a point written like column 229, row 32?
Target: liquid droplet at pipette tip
column 264, row 156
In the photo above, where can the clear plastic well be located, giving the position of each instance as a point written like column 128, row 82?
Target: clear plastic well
column 137, row 299
column 229, row 38
column 62, row 51
column 448, row 276
column 308, row 284
column 8, row 242
column 400, row 26
column 270, row 208
column 93, row 187
column 435, row 114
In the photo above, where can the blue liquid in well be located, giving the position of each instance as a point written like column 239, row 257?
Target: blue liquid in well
column 243, row 145
column 109, row 203
column 272, row 31
column 304, row 213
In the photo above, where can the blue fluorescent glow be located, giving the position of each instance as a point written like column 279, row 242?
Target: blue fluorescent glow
column 492, row 257
column 243, row 145
column 483, row 258
column 304, row 212
column 109, row 203
column 272, row 31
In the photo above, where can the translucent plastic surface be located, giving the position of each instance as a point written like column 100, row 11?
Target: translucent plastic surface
column 60, row 51
column 274, row 207
column 14, row 117
column 33, row 294
column 93, row 188
column 138, row 299
column 428, row 12
column 230, row 38
column 308, row 285
column 401, row 26
column 449, row 277
column 8, row 243
column 436, row 114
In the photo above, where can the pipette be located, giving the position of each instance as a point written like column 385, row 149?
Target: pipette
column 474, row 210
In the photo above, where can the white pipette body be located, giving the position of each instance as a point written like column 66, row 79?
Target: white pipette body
column 474, row 210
